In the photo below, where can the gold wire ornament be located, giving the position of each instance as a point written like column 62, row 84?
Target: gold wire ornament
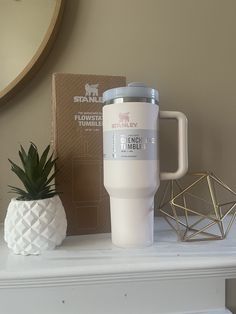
column 205, row 209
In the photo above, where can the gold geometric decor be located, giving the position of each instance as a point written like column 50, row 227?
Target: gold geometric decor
column 202, row 209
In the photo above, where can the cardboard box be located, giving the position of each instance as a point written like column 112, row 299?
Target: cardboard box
column 77, row 141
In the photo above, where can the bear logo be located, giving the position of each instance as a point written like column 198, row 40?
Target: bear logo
column 124, row 117
column 91, row 90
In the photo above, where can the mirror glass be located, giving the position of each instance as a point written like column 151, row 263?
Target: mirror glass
column 23, row 26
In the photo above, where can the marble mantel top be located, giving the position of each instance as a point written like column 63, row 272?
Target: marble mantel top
column 93, row 258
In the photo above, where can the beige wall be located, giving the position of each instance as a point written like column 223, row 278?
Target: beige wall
column 185, row 48
column 19, row 40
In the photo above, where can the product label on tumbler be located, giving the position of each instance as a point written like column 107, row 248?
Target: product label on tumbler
column 135, row 144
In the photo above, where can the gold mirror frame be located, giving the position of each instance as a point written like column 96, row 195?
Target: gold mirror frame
column 33, row 66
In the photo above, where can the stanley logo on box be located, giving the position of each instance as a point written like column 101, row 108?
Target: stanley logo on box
column 91, row 94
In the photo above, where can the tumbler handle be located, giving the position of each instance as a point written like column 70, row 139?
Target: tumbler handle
column 182, row 145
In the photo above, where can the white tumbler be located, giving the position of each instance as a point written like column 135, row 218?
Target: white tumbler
column 131, row 160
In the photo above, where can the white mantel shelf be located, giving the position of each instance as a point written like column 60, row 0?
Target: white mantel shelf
column 92, row 261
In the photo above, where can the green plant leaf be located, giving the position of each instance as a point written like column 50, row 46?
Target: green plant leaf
column 36, row 175
column 33, row 155
column 49, row 180
column 44, row 156
column 23, row 156
column 48, row 167
column 49, row 195
column 20, row 192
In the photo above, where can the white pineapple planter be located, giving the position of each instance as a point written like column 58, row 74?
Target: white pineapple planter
column 31, row 227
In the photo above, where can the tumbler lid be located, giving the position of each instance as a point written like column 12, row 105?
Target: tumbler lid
column 133, row 90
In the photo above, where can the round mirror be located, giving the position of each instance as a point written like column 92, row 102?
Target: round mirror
column 27, row 30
